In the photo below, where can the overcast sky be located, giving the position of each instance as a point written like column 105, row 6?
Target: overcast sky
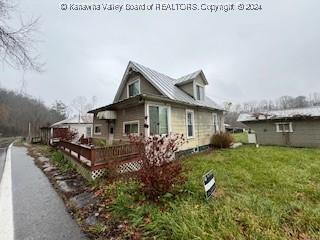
column 244, row 55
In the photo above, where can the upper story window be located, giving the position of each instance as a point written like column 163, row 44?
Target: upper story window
column 133, row 88
column 199, row 93
column 284, row 127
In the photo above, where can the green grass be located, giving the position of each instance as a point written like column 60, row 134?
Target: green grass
column 262, row 193
column 240, row 137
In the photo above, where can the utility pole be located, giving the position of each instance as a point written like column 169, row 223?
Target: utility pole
column 29, row 133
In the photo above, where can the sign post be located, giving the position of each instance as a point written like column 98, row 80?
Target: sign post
column 209, row 184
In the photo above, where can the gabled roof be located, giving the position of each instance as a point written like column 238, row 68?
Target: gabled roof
column 76, row 119
column 166, row 86
column 297, row 113
column 190, row 77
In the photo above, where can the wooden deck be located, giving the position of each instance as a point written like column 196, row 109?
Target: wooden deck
column 93, row 157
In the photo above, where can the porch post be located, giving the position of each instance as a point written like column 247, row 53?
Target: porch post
column 93, row 156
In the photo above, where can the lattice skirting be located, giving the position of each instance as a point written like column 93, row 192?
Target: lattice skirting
column 97, row 173
column 86, row 173
column 129, row 167
column 92, row 175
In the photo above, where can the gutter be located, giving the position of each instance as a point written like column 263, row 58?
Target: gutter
column 109, row 107
column 142, row 97
column 282, row 118
column 154, row 97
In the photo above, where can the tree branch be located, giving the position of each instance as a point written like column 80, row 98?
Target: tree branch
column 16, row 46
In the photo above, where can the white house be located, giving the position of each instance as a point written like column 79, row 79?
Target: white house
column 80, row 124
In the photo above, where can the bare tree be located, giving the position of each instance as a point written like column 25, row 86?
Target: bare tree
column 263, row 105
column 301, row 102
column 314, row 99
column 61, row 108
column 227, row 106
column 285, row 102
column 81, row 105
column 250, row 106
column 17, row 44
column 4, row 113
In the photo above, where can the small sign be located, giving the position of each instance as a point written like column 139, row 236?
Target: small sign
column 209, row 184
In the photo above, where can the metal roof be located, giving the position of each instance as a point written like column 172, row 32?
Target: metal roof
column 166, row 85
column 187, row 78
column 280, row 114
column 76, row 119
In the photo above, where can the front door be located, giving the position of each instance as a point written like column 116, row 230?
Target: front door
column 111, row 132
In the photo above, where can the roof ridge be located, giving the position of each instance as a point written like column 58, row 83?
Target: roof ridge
column 197, row 71
column 288, row 109
column 139, row 64
column 174, row 79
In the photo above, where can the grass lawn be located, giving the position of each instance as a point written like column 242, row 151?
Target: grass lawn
column 240, row 137
column 262, row 193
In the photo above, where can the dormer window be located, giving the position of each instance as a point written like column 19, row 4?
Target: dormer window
column 133, row 88
column 199, row 92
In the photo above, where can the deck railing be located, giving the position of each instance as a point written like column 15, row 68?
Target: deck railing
column 94, row 157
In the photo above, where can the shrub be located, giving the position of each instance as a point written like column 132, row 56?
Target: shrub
column 65, row 134
column 159, row 172
column 99, row 142
column 222, row 140
column 62, row 163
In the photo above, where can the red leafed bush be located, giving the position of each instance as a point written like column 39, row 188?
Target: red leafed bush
column 160, row 172
column 65, row 134
column 222, row 140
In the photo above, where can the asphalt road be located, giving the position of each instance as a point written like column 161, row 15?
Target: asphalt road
column 4, row 143
column 37, row 210
column 2, row 160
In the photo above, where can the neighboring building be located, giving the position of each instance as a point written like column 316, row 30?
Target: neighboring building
column 45, row 134
column 149, row 103
column 236, row 128
column 80, row 124
column 292, row 127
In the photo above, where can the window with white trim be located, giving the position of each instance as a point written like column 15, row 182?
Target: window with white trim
column 97, row 129
column 199, row 92
column 158, row 119
column 284, row 127
column 190, row 123
column 131, row 127
column 133, row 88
column 215, row 122
column 88, row 131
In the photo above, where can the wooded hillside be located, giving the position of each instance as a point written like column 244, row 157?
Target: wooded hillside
column 17, row 111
